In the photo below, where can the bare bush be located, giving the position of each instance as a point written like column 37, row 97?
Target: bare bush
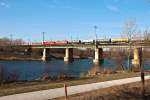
column 6, row 76
column 14, row 75
column 3, row 74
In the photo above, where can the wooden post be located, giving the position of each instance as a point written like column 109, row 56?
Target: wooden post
column 65, row 87
column 142, row 74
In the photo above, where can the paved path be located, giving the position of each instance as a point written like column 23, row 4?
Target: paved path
column 58, row 92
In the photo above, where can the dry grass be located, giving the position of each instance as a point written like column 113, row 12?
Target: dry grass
column 124, row 92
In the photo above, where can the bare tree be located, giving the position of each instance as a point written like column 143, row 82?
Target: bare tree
column 18, row 42
column 130, row 29
column 146, row 35
column 121, row 56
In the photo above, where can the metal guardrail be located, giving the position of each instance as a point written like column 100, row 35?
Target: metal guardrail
column 108, row 45
column 103, row 45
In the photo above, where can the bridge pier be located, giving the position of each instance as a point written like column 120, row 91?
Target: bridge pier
column 45, row 54
column 137, row 55
column 98, row 55
column 68, row 55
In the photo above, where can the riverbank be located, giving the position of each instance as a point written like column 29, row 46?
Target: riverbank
column 9, row 58
column 23, row 87
column 21, row 59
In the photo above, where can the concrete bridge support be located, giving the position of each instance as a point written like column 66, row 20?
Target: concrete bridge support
column 137, row 55
column 68, row 55
column 45, row 54
column 98, row 55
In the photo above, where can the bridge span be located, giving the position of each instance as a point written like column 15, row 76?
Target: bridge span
column 137, row 47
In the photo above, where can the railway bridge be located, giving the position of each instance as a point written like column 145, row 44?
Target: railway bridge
column 98, row 49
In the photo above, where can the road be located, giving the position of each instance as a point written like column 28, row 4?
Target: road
column 58, row 92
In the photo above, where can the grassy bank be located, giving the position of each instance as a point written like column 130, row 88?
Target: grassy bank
column 22, row 87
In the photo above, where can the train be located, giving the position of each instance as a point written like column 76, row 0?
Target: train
column 50, row 43
column 91, row 41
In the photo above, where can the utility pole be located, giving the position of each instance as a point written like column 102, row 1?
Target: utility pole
column 43, row 38
column 95, row 30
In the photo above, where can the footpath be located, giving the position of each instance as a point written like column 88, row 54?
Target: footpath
column 58, row 92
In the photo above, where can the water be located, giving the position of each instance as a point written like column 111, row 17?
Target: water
column 29, row 70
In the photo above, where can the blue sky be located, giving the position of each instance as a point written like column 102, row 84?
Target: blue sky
column 61, row 19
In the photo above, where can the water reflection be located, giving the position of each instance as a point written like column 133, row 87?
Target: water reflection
column 99, row 63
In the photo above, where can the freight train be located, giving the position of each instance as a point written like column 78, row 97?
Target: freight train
column 98, row 41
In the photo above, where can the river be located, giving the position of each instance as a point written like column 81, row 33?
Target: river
column 29, row 70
